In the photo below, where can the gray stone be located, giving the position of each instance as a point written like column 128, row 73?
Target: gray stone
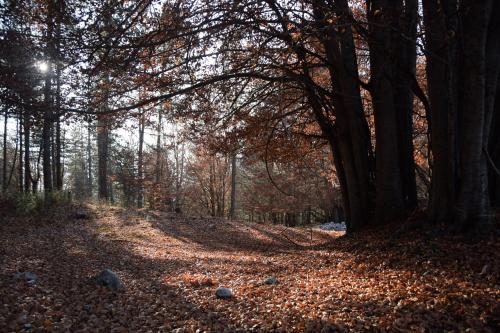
column 223, row 293
column 271, row 280
column 29, row 277
column 109, row 279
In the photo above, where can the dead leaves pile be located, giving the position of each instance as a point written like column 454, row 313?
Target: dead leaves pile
column 172, row 265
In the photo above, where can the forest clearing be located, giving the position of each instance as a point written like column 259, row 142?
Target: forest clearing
column 250, row 166
column 172, row 265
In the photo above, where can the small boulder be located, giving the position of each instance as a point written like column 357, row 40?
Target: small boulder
column 109, row 279
column 223, row 293
column 271, row 280
column 29, row 277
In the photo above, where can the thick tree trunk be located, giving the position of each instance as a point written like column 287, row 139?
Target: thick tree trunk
column 405, row 68
column 472, row 207
column 383, row 43
column 350, row 140
column 494, row 153
column 493, row 105
column 441, row 67
column 461, row 108
column 102, row 157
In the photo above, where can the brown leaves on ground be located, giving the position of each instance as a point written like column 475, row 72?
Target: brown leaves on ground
column 171, row 267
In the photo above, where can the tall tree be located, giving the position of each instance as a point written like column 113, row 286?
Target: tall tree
column 459, row 67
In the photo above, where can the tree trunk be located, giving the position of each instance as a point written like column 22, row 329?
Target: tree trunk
column 57, row 156
column 472, row 207
column 89, row 161
column 4, row 166
column 441, row 68
column 46, row 137
column 58, row 175
column 494, row 153
column 158, row 149
column 140, row 185
column 493, row 106
column 392, row 104
column 350, row 140
column 461, row 109
column 405, row 68
column 20, row 162
column 27, row 166
column 102, row 157
column 232, row 210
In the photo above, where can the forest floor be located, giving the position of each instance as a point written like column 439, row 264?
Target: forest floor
column 172, row 265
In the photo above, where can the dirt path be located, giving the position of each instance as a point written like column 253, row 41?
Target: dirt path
column 171, row 267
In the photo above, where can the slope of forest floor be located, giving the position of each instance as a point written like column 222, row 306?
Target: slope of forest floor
column 171, row 267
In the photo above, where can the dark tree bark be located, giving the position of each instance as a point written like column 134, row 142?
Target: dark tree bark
column 4, row 166
column 27, row 165
column 232, row 209
column 14, row 158
column 472, row 207
column 493, row 106
column 392, row 65
column 158, row 149
column 20, row 162
column 441, row 55
column 140, row 156
column 58, row 174
column 89, row 161
column 405, row 68
column 494, row 153
column 46, row 137
column 350, row 139
column 48, row 104
column 57, row 148
column 461, row 79
column 102, row 157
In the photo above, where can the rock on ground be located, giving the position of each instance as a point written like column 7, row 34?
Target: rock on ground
column 26, row 276
column 109, row 279
column 223, row 293
column 271, row 280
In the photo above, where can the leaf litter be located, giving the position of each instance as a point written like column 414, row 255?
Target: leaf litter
column 171, row 267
